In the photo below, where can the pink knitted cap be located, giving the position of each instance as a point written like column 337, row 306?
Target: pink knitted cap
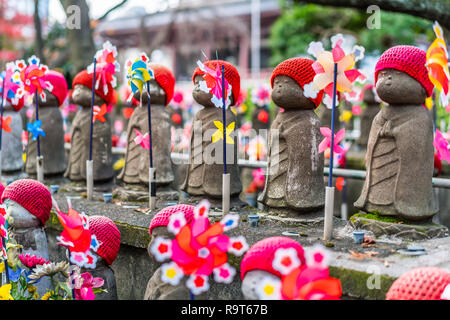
column 59, row 84
column 162, row 217
column 2, row 188
column 107, row 235
column 261, row 254
column 427, row 283
column 32, row 195
column 408, row 59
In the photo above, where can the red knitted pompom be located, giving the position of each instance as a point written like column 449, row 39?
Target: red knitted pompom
column 107, row 235
column 162, row 217
column 261, row 254
column 408, row 59
column 231, row 75
column 84, row 78
column 299, row 69
column 32, row 195
column 165, row 79
column 427, row 283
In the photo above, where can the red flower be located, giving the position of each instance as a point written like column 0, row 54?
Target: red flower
column 32, row 261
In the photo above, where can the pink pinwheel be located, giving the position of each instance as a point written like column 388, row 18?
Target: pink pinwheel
column 324, row 69
column 13, row 83
column 441, row 145
column 326, row 143
column 143, row 140
column 261, row 96
column 199, row 249
column 32, row 77
column 356, row 110
column 213, row 85
column 106, row 67
column 84, row 285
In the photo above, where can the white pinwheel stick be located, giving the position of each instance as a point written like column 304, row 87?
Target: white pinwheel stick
column 89, row 163
column 226, row 176
column 151, row 171
column 1, row 123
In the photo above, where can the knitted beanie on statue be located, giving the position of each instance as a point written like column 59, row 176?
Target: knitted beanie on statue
column 84, row 78
column 32, row 195
column 165, row 79
column 299, row 69
column 107, row 235
column 408, row 59
column 59, row 84
column 261, row 254
column 427, row 283
column 231, row 75
column 161, row 219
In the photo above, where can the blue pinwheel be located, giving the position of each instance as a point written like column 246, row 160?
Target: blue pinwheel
column 35, row 129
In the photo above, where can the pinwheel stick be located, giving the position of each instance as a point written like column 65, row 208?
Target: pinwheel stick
column 89, row 164
column 151, row 172
column 6, row 262
column 329, row 191
column 1, row 124
column 39, row 158
column 225, row 176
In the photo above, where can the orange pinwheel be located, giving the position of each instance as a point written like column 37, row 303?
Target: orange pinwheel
column 99, row 113
column 5, row 123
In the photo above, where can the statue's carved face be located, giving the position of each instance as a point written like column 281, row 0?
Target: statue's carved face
column 21, row 218
column 157, row 94
column 159, row 232
column 82, row 96
column 50, row 101
column 251, row 282
column 288, row 94
column 202, row 97
column 397, row 87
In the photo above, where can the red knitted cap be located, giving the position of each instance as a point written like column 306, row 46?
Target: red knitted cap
column 299, row 69
column 108, row 236
column 426, row 283
column 408, row 59
column 261, row 254
column 19, row 105
column 84, row 78
column 162, row 217
column 231, row 75
column 32, row 195
column 165, row 79
column 59, row 84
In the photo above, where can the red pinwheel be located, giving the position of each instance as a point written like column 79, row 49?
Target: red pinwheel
column 106, row 67
column 32, row 77
column 6, row 123
column 199, row 249
column 213, row 84
column 77, row 237
column 99, row 113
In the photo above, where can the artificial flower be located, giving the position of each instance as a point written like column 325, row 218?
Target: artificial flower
column 31, row 261
column 84, row 288
column 5, row 292
column 48, row 270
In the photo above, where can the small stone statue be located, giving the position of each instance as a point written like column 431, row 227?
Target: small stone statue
column 204, row 174
column 28, row 203
column 257, row 263
column 108, row 236
column 12, row 150
column 367, row 115
column 325, row 115
column 52, row 145
column 135, row 170
column 80, row 132
column 295, row 176
column 400, row 152
column 156, row 288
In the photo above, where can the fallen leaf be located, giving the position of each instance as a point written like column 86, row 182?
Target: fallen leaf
column 360, row 256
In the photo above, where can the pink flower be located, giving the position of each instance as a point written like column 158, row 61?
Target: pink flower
column 326, row 143
column 356, row 110
column 84, row 288
column 32, row 261
column 441, row 146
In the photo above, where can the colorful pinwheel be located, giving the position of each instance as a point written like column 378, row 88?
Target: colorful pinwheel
column 99, row 113
column 257, row 149
column 3, row 235
column 300, row 282
column 139, row 73
column 142, row 139
column 106, row 67
column 261, row 95
column 441, row 146
column 77, row 237
column 199, row 249
column 35, row 129
column 324, row 69
column 218, row 135
column 6, row 123
column 437, row 65
column 32, row 76
column 13, row 84
column 326, row 143
column 213, row 84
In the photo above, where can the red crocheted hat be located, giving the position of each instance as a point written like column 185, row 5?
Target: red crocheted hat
column 261, row 254
column 32, row 195
column 162, row 217
column 19, row 105
column 231, row 75
column 408, row 59
column 426, row 283
column 165, row 79
column 108, row 236
column 299, row 69
column 84, row 78
column 59, row 84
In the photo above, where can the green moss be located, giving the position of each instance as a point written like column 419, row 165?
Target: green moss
column 376, row 216
column 329, row 244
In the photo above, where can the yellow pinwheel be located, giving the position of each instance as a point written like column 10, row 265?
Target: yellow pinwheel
column 139, row 73
column 218, row 135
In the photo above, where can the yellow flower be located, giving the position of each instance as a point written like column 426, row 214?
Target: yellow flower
column 31, row 289
column 47, row 295
column 219, row 133
column 5, row 292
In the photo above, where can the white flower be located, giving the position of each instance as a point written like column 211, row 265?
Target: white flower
column 317, row 257
column 310, row 91
column 269, row 289
column 161, row 249
column 198, row 284
column 286, row 260
column 224, row 274
column 176, row 222
column 171, row 273
column 202, row 209
column 238, row 245
column 315, row 48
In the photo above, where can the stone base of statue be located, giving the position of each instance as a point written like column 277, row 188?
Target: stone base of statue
column 290, row 213
column 395, row 227
column 140, row 193
column 216, row 203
